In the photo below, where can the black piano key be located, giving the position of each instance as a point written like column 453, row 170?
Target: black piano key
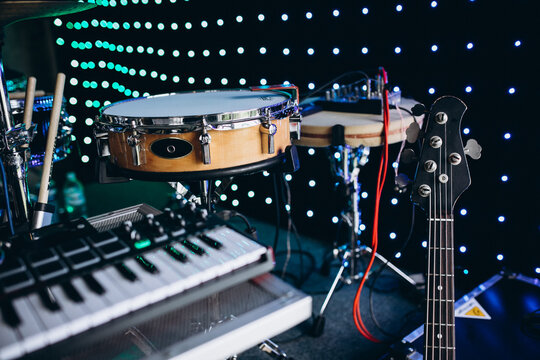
column 175, row 254
column 93, row 284
column 211, row 242
column 126, row 272
column 48, row 300
column 42, row 256
column 113, row 249
column 72, row 246
column 9, row 314
column 71, row 292
column 194, row 248
column 11, row 266
column 51, row 270
column 146, row 265
column 16, row 281
column 102, row 238
column 83, row 259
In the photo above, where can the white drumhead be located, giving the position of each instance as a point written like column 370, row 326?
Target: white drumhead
column 195, row 104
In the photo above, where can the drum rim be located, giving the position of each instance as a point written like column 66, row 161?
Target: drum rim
column 188, row 123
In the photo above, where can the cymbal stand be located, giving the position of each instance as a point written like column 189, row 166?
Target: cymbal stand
column 13, row 156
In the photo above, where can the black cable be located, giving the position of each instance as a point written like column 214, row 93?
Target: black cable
column 6, row 195
column 378, row 273
column 313, row 92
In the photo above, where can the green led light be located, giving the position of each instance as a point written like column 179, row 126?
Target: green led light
column 154, row 74
column 73, row 101
column 174, row 26
column 176, row 79
column 126, row 25
column 102, row 64
column 73, row 138
column 146, row 94
column 123, row 2
column 77, row 26
column 72, row 119
column 88, row 103
column 115, row 85
column 69, row 208
column 105, row 45
column 121, row 88
column 73, row 81
column 84, row 65
column 110, row 25
column 142, row 244
column 191, row 80
column 118, row 67
column 74, row 44
column 57, row 22
column 127, row 92
column 163, row 77
column 110, row 65
column 112, row 47
column 85, row 158
column 116, row 26
column 124, row 70
column 176, row 53
column 88, row 45
column 81, row 46
column 160, row 26
column 105, row 84
column 136, row 94
column 132, row 72
column 158, row 1
column 87, row 140
column 150, row 50
column 137, row 25
column 129, row 49
column 112, row 3
column 148, row 25
column 188, row 25
column 69, row 25
column 144, row 1
column 91, row 65
column 89, row 121
column 119, row 48
column 140, row 49
column 135, row 1
column 96, row 104
column 191, row 53
column 84, row 24
column 99, row 43
column 103, row 23
column 161, row 52
column 94, row 23
column 86, row 84
column 142, row 72
column 93, row 85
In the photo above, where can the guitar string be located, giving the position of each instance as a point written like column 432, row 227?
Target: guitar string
column 440, row 250
column 446, row 247
column 429, row 303
column 452, row 328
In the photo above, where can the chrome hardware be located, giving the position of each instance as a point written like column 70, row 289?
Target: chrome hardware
column 134, row 141
column 205, row 139
column 430, row 166
column 435, row 142
column 424, row 190
column 441, row 117
column 18, row 136
column 269, row 130
column 443, row 178
column 473, row 149
column 454, row 158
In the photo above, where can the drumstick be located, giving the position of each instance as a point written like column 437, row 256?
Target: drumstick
column 29, row 102
column 51, row 138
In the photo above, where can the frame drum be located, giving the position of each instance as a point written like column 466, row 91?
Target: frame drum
column 360, row 129
column 195, row 132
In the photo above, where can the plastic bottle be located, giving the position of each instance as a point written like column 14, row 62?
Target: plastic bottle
column 74, row 198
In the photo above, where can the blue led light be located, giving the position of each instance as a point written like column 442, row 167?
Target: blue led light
column 537, row 270
column 220, row 22
column 501, row 218
column 312, row 183
column 434, row 48
column 251, row 193
column 462, row 249
column 335, row 51
column 424, row 244
column 397, row 50
column 517, row 43
column 507, row 136
column 434, row 4
column 465, row 271
column 268, row 200
column 284, row 17
column 468, row 89
column 337, row 155
column 364, row 195
column 309, row 213
column 311, row 151
column 234, row 187
column 204, row 23
column 309, row 15
column 263, row 82
column 288, row 177
column 396, row 89
column 260, row 17
column 504, row 178
column 310, row 51
column 286, row 51
column 191, row 80
column 466, row 131
column 239, row 19
column 335, row 219
column 500, row 257
column 470, row 46
column 463, row 212
column 365, row 50
column 394, row 201
column 399, row 7
column 398, row 255
column 392, row 235
column 223, row 197
column 431, row 91
column 235, row 202
column 262, row 50
column 335, row 86
column 512, row 91
column 365, row 11
column 335, row 13
column 240, row 50
column 362, row 227
column 311, row 86
column 242, row 81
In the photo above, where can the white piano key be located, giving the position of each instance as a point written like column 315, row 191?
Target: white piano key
column 136, row 292
column 10, row 347
column 225, row 260
column 118, row 299
column 55, row 322
column 191, row 275
column 96, row 304
column 175, row 281
column 31, row 330
column 77, row 313
column 155, row 285
column 209, row 269
column 244, row 250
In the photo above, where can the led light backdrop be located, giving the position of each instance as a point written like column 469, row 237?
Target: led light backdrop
column 479, row 51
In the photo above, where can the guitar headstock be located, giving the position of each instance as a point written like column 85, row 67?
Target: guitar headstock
column 443, row 172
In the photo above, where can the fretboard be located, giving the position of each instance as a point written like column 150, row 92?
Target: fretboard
column 439, row 328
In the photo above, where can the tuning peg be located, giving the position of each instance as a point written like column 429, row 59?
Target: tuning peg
column 473, row 149
column 408, row 156
column 412, row 132
column 418, row 110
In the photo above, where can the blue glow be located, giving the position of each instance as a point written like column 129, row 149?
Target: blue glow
column 262, row 50
column 266, row 173
column 284, row 17
column 397, row 50
column 286, row 51
column 309, row 213
column 337, row 155
column 309, row 15
column 431, row 91
column 310, row 51
column 462, row 249
column 466, row 131
column 512, row 91
column 399, row 8
column 501, row 218
column 311, row 151
column 434, row 4
column 463, row 212
column 311, row 86
column 507, row 136
column 251, row 193
column 335, row 86
column 424, row 244
column 364, row 195
column 537, row 270
column 365, row 50
column 335, row 13
column 398, row 255
column 223, row 197
column 239, row 19
column 260, row 17
column 335, row 219
column 395, row 165
column 288, row 177
column 500, row 257
column 235, row 202
column 392, row 235
column 394, row 201
column 396, row 89
column 465, row 271
column 504, row 178
column 434, row 48
column 335, row 51
column 268, row 200
column 312, row 183
column 365, row 11
column 470, row 46
column 362, row 227
column 468, row 89
column 517, row 43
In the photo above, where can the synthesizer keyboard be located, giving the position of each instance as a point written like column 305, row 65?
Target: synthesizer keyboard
column 73, row 278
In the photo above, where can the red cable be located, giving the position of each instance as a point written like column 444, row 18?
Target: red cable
column 383, row 165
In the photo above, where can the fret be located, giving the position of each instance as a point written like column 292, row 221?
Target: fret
column 441, row 248
column 439, row 324
column 439, row 219
column 429, row 274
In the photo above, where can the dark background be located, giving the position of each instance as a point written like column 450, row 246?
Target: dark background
column 74, row 44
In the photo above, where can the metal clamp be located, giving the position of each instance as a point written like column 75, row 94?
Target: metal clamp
column 134, row 141
column 205, row 139
column 18, row 136
column 269, row 130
